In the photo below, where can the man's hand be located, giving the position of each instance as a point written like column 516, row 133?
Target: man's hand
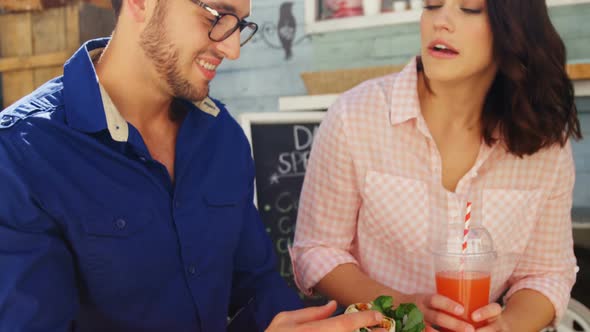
column 438, row 311
column 315, row 319
column 492, row 314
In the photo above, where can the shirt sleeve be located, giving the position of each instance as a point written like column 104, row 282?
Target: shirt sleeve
column 37, row 278
column 548, row 264
column 329, row 204
column 258, row 290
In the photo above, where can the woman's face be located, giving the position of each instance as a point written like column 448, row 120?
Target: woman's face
column 457, row 40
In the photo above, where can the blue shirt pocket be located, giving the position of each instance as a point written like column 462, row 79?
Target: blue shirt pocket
column 124, row 254
column 225, row 218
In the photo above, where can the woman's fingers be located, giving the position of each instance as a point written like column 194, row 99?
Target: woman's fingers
column 490, row 311
column 443, row 303
column 442, row 319
column 449, row 322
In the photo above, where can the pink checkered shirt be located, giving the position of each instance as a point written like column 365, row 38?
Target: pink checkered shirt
column 373, row 196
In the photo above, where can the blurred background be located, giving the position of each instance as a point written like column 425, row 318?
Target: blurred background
column 305, row 53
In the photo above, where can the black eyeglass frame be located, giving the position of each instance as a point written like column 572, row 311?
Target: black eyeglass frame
column 241, row 24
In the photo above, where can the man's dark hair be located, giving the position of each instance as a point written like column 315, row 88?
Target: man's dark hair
column 117, row 7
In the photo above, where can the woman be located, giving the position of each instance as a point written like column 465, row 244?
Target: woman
column 484, row 115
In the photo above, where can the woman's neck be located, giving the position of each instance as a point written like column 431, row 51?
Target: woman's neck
column 452, row 105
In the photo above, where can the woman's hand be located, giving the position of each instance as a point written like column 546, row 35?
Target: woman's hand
column 492, row 314
column 438, row 311
column 315, row 319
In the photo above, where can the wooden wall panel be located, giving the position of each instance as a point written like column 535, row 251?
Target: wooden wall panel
column 72, row 27
column 16, row 41
column 20, row 5
column 382, row 46
column 264, row 50
column 582, row 158
column 392, row 45
column 95, row 22
column 573, row 24
column 49, row 36
column 33, row 47
column 262, row 74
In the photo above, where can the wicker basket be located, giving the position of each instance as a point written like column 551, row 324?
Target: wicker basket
column 338, row 81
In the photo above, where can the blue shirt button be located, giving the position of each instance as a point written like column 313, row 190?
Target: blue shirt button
column 6, row 120
column 192, row 270
column 143, row 159
column 121, row 223
column 176, row 204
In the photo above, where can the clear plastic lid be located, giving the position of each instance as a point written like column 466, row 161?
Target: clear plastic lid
column 479, row 240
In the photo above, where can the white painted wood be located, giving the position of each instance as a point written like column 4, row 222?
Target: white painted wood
column 580, row 225
column 247, row 119
column 320, row 102
column 582, row 88
column 311, row 14
column 306, row 103
column 360, row 22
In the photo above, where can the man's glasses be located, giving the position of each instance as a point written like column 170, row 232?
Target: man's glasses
column 225, row 24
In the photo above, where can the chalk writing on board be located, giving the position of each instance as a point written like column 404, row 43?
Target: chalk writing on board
column 281, row 153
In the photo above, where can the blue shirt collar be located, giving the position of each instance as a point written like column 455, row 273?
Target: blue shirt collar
column 83, row 103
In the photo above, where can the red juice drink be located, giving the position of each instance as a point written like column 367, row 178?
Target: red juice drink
column 471, row 289
column 463, row 264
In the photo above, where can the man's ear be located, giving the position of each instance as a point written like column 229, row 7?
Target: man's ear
column 137, row 9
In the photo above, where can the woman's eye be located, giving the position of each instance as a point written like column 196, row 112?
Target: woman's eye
column 432, row 7
column 471, row 11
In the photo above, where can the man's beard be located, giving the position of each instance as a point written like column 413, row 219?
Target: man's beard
column 165, row 57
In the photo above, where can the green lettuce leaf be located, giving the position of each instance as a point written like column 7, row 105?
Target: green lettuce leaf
column 407, row 316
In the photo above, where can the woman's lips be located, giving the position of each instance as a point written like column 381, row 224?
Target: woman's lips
column 442, row 50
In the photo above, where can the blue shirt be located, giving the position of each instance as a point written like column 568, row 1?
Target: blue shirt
column 94, row 235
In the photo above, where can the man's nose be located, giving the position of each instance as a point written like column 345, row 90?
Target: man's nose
column 230, row 47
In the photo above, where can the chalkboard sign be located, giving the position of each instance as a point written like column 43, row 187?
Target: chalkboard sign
column 281, row 143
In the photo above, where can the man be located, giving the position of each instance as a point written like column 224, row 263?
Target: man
column 127, row 191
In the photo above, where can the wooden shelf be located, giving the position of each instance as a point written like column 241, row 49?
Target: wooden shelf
column 34, row 46
column 33, row 61
column 579, row 71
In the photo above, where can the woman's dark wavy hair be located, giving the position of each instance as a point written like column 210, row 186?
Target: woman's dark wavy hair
column 531, row 100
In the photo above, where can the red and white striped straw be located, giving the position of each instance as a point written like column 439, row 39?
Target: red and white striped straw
column 465, row 234
column 466, row 226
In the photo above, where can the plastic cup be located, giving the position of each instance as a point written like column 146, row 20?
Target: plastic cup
column 465, row 277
